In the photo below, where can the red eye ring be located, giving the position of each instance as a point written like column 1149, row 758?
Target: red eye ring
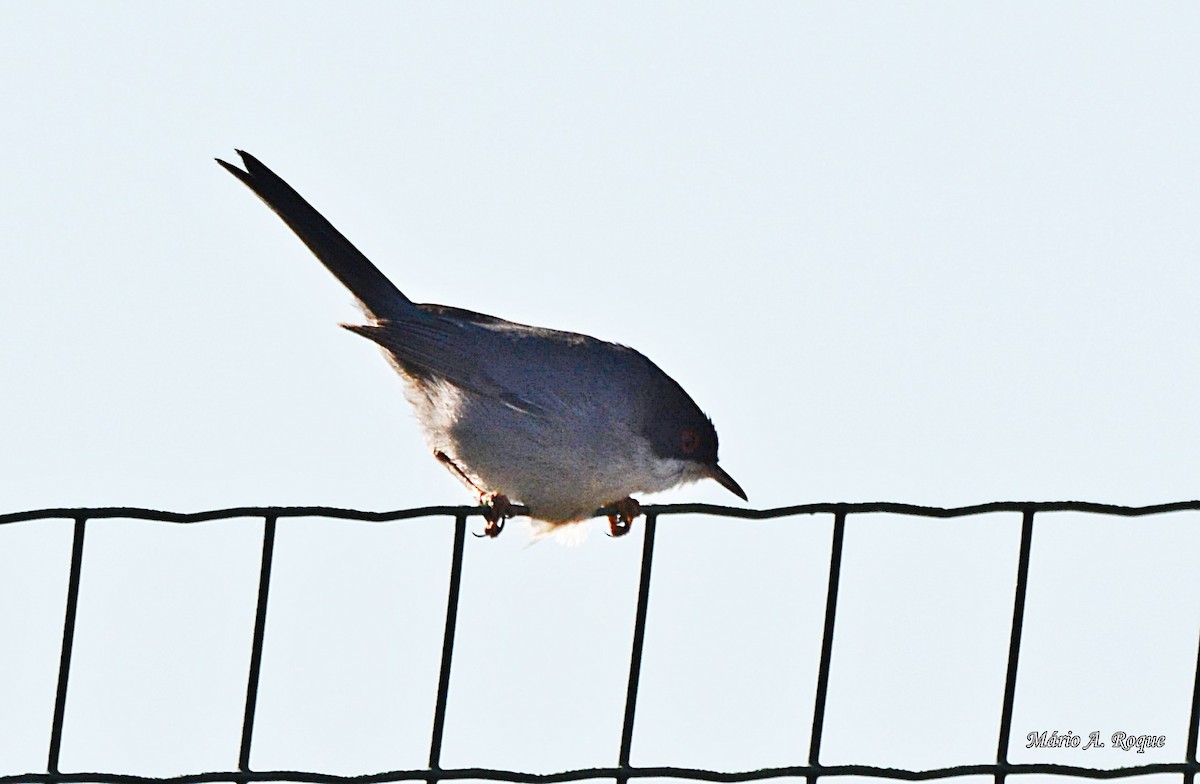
column 689, row 441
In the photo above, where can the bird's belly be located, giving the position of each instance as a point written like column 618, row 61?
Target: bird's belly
column 561, row 469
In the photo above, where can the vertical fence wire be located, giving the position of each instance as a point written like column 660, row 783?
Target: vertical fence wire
column 68, row 642
column 831, row 598
column 1014, row 644
column 1189, row 776
column 639, row 640
column 443, row 692
column 256, row 647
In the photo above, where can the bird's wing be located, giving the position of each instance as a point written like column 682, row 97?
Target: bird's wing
column 460, row 353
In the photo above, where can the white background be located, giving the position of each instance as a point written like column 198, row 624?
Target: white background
column 933, row 252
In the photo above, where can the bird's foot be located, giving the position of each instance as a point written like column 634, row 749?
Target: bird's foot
column 625, row 511
column 496, row 509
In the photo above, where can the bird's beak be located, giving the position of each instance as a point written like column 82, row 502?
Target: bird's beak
column 727, row 481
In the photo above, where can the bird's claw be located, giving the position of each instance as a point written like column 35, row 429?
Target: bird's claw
column 496, row 509
column 624, row 512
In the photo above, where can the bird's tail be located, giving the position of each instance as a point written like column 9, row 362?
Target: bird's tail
column 379, row 297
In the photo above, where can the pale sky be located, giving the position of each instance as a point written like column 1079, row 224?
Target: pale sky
column 934, row 252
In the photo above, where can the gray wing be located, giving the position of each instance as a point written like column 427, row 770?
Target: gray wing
column 536, row 371
column 461, row 353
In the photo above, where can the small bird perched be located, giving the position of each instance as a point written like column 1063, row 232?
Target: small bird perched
column 560, row 422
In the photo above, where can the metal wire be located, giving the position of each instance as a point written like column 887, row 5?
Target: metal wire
column 1014, row 641
column 835, row 576
column 639, row 640
column 256, row 649
column 439, row 710
column 624, row 770
column 64, row 663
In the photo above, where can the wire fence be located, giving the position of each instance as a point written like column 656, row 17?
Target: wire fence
column 624, row 770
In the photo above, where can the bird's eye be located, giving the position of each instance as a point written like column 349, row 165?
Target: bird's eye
column 689, row 441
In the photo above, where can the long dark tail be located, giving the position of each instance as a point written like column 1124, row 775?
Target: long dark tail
column 379, row 297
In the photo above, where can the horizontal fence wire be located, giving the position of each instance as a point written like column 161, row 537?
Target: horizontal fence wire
column 624, row 770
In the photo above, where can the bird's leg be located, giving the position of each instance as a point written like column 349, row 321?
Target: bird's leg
column 496, row 510
column 625, row 511
column 496, row 505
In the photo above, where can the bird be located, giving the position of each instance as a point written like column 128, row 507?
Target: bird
column 558, row 422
